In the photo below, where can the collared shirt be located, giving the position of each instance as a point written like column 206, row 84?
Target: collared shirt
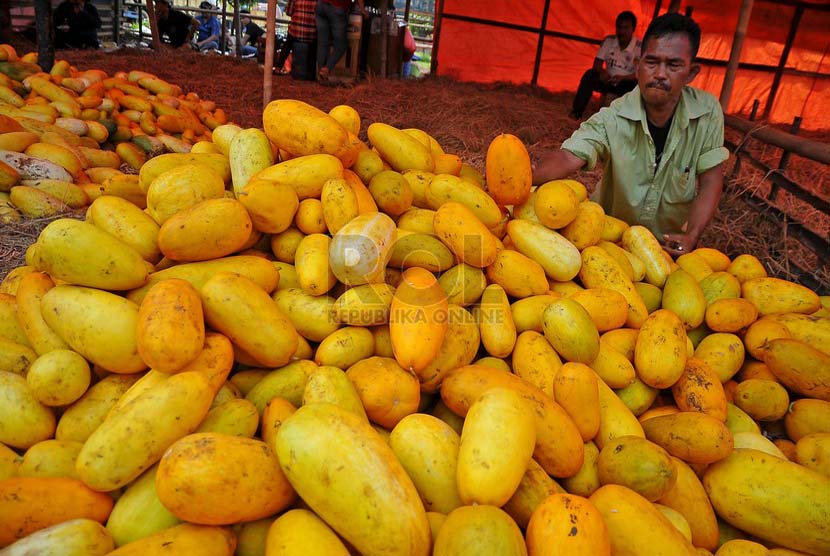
column 303, row 26
column 208, row 25
column 635, row 188
column 618, row 61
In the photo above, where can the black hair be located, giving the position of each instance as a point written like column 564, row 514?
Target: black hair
column 244, row 11
column 627, row 16
column 672, row 24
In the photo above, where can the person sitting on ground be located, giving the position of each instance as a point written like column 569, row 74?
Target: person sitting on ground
column 175, row 28
column 661, row 145
column 209, row 29
column 617, row 53
column 76, row 24
column 251, row 32
column 332, row 19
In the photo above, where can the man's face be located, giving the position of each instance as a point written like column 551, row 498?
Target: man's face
column 245, row 20
column 625, row 30
column 665, row 67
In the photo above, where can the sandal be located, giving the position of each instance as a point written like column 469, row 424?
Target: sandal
column 323, row 74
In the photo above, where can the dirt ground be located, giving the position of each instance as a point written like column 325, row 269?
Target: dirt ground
column 464, row 118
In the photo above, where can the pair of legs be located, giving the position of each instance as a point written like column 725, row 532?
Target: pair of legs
column 591, row 83
column 331, row 37
column 212, row 45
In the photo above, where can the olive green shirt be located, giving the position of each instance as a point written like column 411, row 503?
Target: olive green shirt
column 633, row 187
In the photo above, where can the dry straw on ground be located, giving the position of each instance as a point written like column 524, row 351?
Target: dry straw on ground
column 463, row 117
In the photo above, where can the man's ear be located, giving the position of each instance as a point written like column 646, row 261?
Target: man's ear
column 693, row 71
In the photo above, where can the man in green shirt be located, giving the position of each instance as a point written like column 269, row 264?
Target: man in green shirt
column 661, row 145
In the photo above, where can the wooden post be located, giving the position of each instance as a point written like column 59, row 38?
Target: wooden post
column 674, row 7
column 406, row 10
column 237, row 23
column 782, row 62
column 223, row 35
column 45, row 34
column 116, row 21
column 5, row 21
column 154, row 27
column 436, row 36
column 540, row 45
column 384, row 38
column 268, row 67
column 735, row 55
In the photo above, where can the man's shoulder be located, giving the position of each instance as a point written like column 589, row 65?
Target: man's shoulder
column 609, row 40
column 700, row 102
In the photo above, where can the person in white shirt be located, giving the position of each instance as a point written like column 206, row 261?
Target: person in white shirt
column 613, row 70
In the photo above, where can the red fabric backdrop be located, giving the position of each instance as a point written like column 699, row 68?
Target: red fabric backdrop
column 476, row 51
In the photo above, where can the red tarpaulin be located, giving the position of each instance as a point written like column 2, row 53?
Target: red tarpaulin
column 486, row 41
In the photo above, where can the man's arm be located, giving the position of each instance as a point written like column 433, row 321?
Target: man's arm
column 700, row 214
column 556, row 165
column 194, row 26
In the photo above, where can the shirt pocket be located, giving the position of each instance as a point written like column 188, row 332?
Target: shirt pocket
column 680, row 185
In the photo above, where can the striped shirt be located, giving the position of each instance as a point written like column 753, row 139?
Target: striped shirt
column 303, row 26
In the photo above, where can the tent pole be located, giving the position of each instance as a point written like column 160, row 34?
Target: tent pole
column 785, row 54
column 154, row 28
column 540, row 45
column 735, row 55
column 674, row 6
column 268, row 67
column 436, row 36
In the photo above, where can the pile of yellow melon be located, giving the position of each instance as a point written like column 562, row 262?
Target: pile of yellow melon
column 289, row 342
column 69, row 136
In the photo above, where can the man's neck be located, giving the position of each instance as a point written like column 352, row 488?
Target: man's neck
column 624, row 46
column 660, row 115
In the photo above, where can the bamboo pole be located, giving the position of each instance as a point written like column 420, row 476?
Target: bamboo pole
column 735, row 55
column 782, row 62
column 808, row 148
column 45, row 34
column 268, row 67
column 154, row 27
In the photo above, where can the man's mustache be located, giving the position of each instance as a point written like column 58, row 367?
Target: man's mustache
column 659, row 85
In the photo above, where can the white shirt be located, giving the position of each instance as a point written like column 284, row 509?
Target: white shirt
column 618, row 61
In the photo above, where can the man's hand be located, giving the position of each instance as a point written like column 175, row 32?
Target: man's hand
column 679, row 244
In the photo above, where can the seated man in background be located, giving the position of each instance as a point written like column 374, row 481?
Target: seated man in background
column 76, row 24
column 209, row 29
column 617, row 53
column 251, row 32
column 661, row 145
column 175, row 28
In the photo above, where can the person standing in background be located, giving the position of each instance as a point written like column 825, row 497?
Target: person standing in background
column 617, row 54
column 332, row 19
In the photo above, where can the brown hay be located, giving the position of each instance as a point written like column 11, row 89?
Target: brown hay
column 464, row 118
column 16, row 238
